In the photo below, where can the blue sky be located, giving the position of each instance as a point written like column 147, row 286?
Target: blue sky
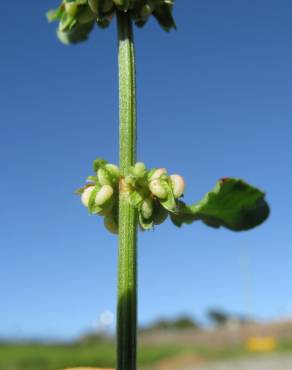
column 214, row 100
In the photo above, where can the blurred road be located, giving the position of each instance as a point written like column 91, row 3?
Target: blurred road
column 267, row 362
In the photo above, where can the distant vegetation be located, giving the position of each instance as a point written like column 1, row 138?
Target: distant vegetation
column 181, row 322
column 220, row 317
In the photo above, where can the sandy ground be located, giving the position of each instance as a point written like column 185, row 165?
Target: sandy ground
column 268, row 362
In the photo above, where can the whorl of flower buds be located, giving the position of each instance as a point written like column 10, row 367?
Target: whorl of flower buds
column 77, row 17
column 152, row 192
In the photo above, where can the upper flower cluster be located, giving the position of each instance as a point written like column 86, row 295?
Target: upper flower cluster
column 77, row 17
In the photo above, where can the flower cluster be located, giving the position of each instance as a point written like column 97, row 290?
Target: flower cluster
column 152, row 192
column 77, row 17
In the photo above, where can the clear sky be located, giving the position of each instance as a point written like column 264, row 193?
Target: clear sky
column 214, row 100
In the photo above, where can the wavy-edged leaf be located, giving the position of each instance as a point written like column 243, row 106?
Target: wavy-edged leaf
column 233, row 204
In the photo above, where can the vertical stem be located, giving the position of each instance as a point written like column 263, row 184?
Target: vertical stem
column 127, row 259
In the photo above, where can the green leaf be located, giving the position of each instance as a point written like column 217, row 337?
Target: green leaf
column 233, row 204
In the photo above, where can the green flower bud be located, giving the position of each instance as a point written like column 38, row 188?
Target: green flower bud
column 104, row 195
column 159, row 172
column 71, row 8
column 147, row 208
column 157, row 189
column 111, row 224
column 113, row 170
column 86, row 195
column 178, row 185
column 139, row 169
column 104, row 177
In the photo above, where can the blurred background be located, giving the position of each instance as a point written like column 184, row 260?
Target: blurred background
column 214, row 100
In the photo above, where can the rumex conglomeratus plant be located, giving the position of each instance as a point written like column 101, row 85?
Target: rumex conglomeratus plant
column 130, row 195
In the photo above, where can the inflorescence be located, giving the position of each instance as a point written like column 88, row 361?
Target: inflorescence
column 152, row 192
column 77, row 17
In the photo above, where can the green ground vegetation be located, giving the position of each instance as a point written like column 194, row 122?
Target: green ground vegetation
column 37, row 356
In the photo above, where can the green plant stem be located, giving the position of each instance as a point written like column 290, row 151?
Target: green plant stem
column 127, row 258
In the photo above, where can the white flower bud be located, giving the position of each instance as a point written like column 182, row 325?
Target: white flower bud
column 86, row 195
column 178, row 185
column 147, row 208
column 103, row 195
column 158, row 173
column 157, row 189
column 113, row 169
